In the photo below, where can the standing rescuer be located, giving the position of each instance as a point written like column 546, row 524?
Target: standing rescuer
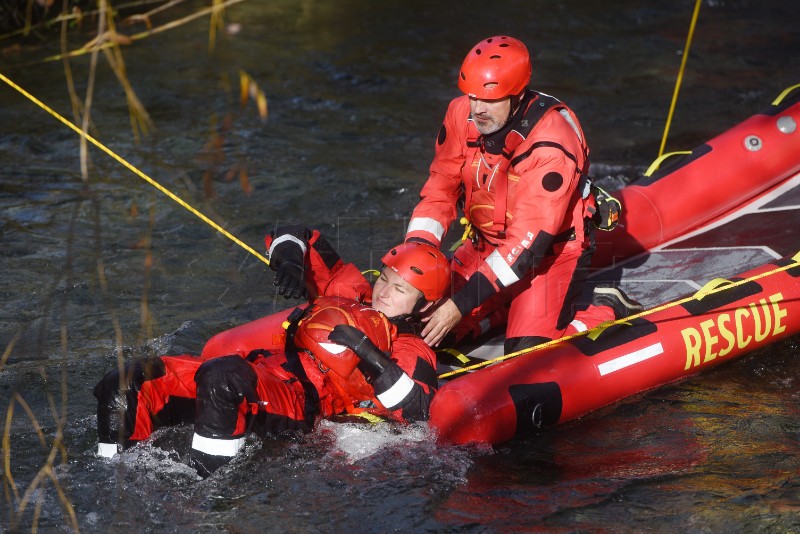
column 519, row 161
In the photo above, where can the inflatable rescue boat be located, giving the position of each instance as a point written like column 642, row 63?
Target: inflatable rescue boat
column 718, row 224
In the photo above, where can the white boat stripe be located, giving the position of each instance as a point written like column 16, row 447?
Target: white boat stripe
column 622, row 362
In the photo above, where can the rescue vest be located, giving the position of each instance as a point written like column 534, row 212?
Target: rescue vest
column 538, row 104
column 331, row 367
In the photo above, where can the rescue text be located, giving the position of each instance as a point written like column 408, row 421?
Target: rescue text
column 753, row 322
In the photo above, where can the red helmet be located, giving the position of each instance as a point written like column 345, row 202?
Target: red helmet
column 327, row 312
column 421, row 265
column 495, row 68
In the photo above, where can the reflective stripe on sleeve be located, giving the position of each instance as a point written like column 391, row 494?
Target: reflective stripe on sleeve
column 288, row 237
column 501, row 269
column 397, row 393
column 565, row 114
column 217, row 447
column 580, row 326
column 426, row 224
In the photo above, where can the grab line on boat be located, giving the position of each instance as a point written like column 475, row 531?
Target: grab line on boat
column 795, row 262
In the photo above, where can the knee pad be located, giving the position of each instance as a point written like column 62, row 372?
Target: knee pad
column 223, row 384
column 118, row 399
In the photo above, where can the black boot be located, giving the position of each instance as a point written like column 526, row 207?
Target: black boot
column 206, row 464
column 617, row 300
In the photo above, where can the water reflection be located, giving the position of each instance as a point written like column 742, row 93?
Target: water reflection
column 356, row 91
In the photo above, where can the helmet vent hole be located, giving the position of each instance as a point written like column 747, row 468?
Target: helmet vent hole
column 478, row 51
column 417, row 270
column 494, row 57
column 503, row 45
column 462, row 76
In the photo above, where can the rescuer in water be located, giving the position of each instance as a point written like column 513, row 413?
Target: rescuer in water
column 518, row 161
column 354, row 349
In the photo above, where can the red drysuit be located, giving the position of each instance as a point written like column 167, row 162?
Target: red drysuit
column 526, row 195
column 260, row 391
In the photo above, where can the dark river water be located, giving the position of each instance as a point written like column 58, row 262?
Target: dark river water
column 105, row 267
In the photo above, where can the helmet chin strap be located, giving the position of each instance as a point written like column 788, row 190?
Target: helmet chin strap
column 516, row 101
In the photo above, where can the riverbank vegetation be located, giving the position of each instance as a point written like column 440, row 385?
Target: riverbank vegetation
column 94, row 32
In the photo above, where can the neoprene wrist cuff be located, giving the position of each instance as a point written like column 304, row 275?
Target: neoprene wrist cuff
column 473, row 294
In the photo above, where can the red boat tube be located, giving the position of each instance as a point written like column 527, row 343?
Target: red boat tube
column 565, row 381
column 264, row 333
column 696, row 189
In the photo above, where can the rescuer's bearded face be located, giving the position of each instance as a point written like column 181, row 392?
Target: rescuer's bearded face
column 489, row 115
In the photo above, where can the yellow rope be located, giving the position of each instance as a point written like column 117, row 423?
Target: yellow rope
column 709, row 289
column 133, row 169
column 660, row 159
column 784, row 94
column 680, row 76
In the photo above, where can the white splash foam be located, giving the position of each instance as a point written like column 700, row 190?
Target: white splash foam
column 358, row 441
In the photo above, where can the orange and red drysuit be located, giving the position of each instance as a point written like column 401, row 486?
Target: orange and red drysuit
column 256, row 390
column 525, row 192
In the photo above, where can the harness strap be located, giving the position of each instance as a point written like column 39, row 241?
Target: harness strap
column 542, row 144
column 537, row 108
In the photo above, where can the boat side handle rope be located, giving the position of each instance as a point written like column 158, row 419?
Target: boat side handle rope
column 660, row 159
column 784, row 94
column 710, row 286
column 714, row 286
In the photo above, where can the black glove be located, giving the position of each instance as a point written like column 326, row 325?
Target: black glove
column 373, row 361
column 287, row 257
column 291, row 280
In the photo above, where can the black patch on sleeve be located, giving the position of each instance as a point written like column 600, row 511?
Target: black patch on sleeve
column 426, row 374
column 526, row 261
column 541, row 247
column 442, row 135
column 552, row 181
column 326, row 252
column 475, row 291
